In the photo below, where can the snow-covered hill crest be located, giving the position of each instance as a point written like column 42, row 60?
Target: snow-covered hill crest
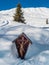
column 35, row 28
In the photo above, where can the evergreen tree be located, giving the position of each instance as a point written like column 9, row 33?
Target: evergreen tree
column 19, row 14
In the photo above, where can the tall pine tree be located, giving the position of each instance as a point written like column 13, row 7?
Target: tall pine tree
column 19, row 14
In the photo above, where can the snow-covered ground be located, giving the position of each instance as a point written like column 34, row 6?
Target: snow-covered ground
column 35, row 28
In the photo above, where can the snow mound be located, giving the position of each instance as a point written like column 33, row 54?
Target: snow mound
column 43, row 58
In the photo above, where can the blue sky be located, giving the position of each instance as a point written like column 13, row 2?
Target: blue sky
column 7, row 4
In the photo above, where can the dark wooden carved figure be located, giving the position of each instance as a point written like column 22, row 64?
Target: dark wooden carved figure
column 22, row 43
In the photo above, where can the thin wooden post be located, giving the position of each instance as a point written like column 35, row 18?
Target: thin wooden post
column 47, row 21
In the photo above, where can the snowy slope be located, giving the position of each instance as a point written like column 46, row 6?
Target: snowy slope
column 35, row 28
